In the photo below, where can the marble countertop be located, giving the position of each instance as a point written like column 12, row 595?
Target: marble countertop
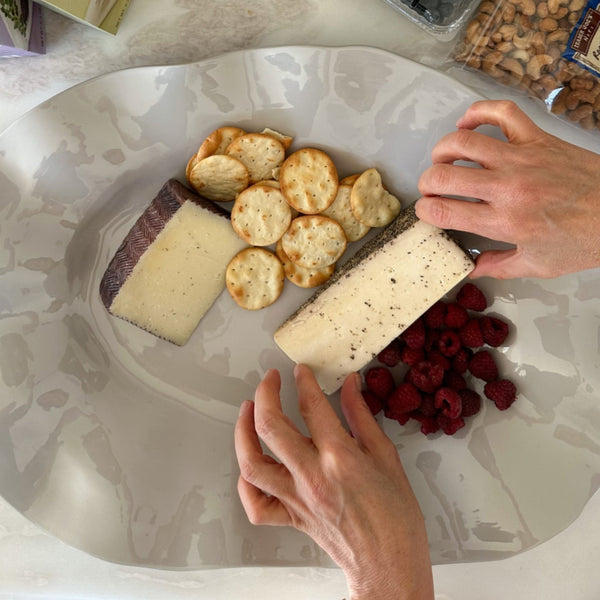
column 34, row 563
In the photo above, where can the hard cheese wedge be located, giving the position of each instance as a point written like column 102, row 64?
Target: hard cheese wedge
column 376, row 295
column 171, row 266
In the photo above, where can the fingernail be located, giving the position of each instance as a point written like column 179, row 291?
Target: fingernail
column 357, row 382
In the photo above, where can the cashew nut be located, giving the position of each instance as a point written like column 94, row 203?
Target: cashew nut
column 527, row 6
column 522, row 42
column 536, row 64
column 548, row 24
column 489, row 63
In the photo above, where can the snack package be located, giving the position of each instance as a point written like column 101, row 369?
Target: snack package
column 21, row 29
column 102, row 14
column 550, row 49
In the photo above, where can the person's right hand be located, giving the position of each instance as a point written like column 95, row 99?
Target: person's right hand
column 534, row 191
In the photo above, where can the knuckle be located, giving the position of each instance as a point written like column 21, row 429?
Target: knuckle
column 266, row 424
column 248, row 470
column 310, row 401
column 507, row 109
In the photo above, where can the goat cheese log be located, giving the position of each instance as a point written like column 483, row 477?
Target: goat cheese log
column 377, row 294
column 171, row 266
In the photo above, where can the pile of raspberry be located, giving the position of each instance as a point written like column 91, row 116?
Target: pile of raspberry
column 442, row 351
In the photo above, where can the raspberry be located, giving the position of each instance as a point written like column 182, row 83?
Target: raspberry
column 372, row 401
column 470, row 334
column 414, row 335
column 460, row 362
column 429, row 425
column 404, row 399
column 412, row 356
column 454, row 380
column 494, row 330
column 471, row 297
column 448, row 402
column 435, row 314
column 427, row 408
column 482, row 366
column 449, row 343
column 391, row 355
column 456, row 316
column 437, row 358
column 426, row 376
column 379, row 380
column 471, row 402
column 503, row 393
column 432, row 338
column 450, row 426
column 402, row 418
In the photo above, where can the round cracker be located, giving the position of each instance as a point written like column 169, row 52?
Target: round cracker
column 255, row 278
column 219, row 177
column 215, row 143
column 285, row 139
column 309, row 180
column 260, row 215
column 341, row 211
column 349, row 179
column 259, row 152
column 218, row 141
column 271, row 182
column 371, row 203
column 304, row 278
column 314, row 241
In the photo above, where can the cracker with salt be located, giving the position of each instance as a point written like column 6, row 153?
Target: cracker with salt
column 314, row 241
column 255, row 278
column 219, row 177
column 371, row 203
column 259, row 152
column 304, row 278
column 309, row 180
column 341, row 211
column 215, row 143
column 260, row 215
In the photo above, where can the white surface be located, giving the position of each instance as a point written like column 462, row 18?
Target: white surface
column 31, row 562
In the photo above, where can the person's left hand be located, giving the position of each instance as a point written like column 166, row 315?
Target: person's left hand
column 347, row 492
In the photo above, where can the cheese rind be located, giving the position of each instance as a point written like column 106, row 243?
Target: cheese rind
column 170, row 268
column 382, row 290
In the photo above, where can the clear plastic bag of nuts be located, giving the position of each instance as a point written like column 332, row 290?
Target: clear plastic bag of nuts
column 548, row 48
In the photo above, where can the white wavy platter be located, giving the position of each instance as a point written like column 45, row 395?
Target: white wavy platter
column 121, row 444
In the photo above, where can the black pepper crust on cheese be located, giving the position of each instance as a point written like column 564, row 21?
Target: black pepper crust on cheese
column 144, row 231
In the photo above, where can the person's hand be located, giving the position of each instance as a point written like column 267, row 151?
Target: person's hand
column 347, row 492
column 534, row 191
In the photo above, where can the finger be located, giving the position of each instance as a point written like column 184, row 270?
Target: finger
column 453, row 180
column 362, row 423
column 319, row 416
column 460, row 215
column 501, row 264
column 517, row 127
column 257, row 468
column 261, row 508
column 276, row 430
column 470, row 146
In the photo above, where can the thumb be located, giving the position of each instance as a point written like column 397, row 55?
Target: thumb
column 501, row 264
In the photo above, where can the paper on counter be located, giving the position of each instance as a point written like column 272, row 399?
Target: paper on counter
column 102, row 14
column 21, row 29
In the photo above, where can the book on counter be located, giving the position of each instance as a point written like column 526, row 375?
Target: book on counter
column 21, row 29
column 105, row 15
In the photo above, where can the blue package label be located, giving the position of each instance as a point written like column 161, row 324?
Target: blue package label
column 584, row 43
